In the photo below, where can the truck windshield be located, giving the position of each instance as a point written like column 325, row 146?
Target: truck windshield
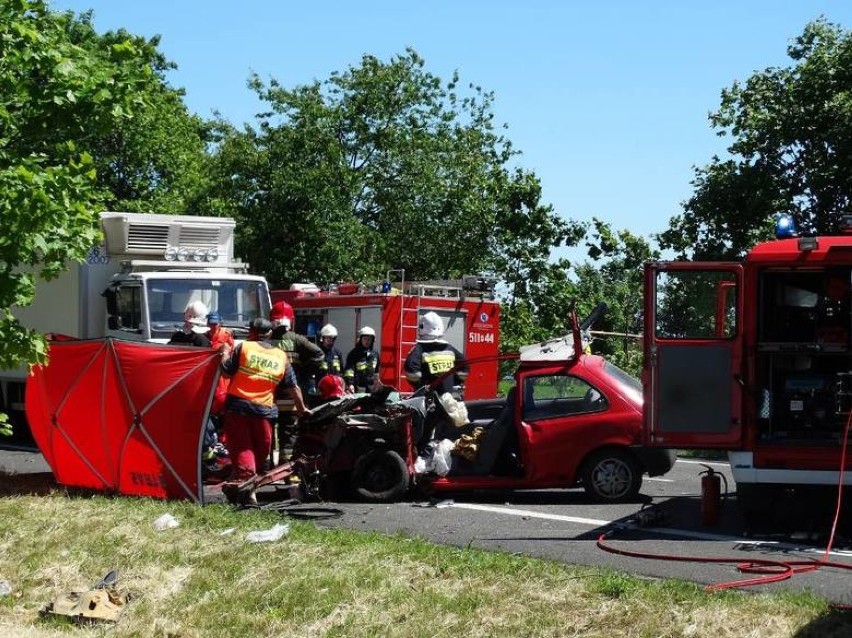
column 236, row 301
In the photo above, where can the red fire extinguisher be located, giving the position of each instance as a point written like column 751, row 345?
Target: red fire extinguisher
column 711, row 494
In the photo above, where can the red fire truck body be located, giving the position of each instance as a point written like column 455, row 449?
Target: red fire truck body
column 754, row 357
column 472, row 325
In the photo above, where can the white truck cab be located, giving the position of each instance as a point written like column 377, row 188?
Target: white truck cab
column 137, row 285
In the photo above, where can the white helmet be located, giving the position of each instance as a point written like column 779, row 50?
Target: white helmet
column 328, row 331
column 366, row 331
column 195, row 315
column 431, row 327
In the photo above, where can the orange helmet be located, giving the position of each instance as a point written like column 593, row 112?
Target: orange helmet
column 331, row 387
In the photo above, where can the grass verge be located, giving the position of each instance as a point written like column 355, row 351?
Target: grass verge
column 191, row 581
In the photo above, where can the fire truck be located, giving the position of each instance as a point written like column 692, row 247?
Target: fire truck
column 470, row 313
column 755, row 357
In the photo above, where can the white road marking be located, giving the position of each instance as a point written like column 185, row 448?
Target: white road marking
column 685, row 533
column 659, row 480
column 530, row 514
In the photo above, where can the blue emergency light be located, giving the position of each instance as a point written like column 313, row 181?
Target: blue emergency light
column 785, row 227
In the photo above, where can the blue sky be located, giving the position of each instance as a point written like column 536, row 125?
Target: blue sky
column 608, row 101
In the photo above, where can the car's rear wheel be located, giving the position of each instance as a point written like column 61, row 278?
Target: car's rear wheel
column 612, row 475
column 380, row 476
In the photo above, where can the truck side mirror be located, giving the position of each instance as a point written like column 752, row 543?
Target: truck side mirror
column 113, row 316
column 111, row 296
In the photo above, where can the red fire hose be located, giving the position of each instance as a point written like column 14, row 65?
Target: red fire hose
column 771, row 571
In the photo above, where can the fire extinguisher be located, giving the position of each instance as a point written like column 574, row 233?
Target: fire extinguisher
column 711, row 494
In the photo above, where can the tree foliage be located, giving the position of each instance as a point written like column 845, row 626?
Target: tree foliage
column 615, row 276
column 382, row 166
column 791, row 151
column 73, row 109
column 154, row 158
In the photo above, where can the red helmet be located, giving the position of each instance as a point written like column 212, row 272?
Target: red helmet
column 282, row 310
column 331, row 387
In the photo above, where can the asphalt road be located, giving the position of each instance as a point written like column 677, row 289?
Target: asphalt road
column 564, row 525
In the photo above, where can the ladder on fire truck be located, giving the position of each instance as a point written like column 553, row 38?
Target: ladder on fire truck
column 409, row 318
column 409, row 315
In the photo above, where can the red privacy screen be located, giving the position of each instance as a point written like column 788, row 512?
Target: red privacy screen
column 122, row 416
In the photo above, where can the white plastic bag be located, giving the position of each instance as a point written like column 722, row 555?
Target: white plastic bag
column 166, row 521
column 268, row 535
column 456, row 410
column 442, row 461
column 420, row 466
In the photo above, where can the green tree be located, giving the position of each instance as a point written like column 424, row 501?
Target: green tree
column 612, row 274
column 382, row 166
column 615, row 276
column 156, row 159
column 791, row 151
column 541, row 310
column 62, row 90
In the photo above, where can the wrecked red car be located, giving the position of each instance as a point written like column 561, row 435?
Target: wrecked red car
column 564, row 423
column 570, row 419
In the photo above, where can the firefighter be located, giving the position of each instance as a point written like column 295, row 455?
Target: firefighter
column 256, row 368
column 332, row 360
column 305, row 356
column 331, row 387
column 362, row 363
column 221, row 339
column 432, row 356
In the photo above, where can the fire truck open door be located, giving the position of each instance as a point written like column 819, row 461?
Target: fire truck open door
column 692, row 379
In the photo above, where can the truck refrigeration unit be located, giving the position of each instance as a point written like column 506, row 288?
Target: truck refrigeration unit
column 755, row 357
column 471, row 319
column 137, row 285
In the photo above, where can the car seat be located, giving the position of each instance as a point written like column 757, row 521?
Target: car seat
column 496, row 436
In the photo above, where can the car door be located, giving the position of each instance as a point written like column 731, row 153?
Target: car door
column 562, row 416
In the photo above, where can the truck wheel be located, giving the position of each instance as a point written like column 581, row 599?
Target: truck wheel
column 611, row 475
column 380, row 476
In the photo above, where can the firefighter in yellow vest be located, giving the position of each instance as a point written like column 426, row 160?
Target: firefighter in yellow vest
column 256, row 368
column 431, row 357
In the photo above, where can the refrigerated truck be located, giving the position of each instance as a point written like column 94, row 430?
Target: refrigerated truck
column 136, row 286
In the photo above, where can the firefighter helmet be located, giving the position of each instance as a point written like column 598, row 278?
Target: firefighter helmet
column 367, row 331
column 331, row 387
column 431, row 327
column 328, row 331
column 281, row 314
